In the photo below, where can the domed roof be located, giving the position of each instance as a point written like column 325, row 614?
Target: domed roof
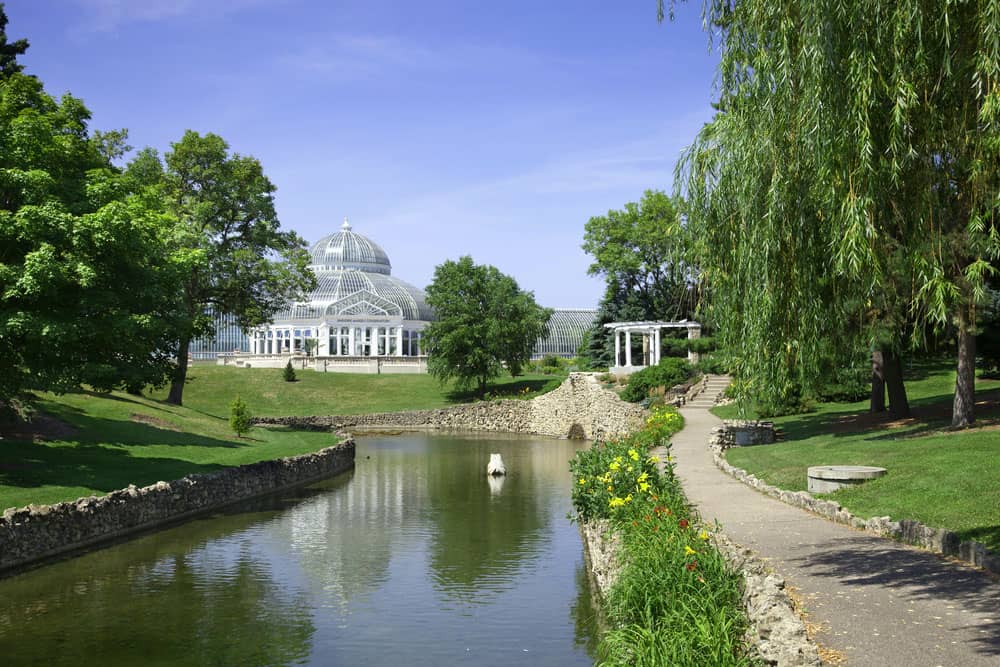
column 353, row 294
column 348, row 250
column 354, row 281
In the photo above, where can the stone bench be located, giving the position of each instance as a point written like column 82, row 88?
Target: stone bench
column 825, row 479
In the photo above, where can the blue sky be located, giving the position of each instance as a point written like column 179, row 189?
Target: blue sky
column 441, row 128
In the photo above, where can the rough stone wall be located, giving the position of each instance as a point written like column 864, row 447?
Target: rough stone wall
column 582, row 400
column 741, row 433
column 579, row 404
column 40, row 531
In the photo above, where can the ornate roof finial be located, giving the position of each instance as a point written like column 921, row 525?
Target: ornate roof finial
column 346, row 226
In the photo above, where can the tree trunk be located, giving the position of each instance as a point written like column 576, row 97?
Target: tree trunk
column 878, row 383
column 963, row 411
column 892, row 365
column 176, row 395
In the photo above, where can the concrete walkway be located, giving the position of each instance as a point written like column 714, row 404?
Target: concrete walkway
column 876, row 602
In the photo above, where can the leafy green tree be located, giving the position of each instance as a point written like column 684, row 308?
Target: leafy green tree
column 288, row 373
column 9, row 51
column 642, row 252
column 849, row 182
column 239, row 417
column 483, row 322
column 71, row 235
column 229, row 248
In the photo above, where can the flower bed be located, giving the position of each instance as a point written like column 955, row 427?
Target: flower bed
column 675, row 600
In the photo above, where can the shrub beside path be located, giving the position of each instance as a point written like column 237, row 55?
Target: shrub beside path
column 874, row 601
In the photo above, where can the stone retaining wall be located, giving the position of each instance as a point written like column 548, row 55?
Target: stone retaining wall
column 40, row 531
column 579, row 407
column 743, row 432
column 777, row 631
column 938, row 540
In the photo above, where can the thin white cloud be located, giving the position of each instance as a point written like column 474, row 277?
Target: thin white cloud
column 110, row 14
column 349, row 57
column 352, row 57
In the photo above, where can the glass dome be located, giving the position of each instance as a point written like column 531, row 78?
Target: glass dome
column 347, row 250
column 354, row 282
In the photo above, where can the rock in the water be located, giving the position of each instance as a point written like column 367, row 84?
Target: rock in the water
column 495, row 466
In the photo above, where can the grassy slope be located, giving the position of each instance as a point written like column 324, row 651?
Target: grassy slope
column 211, row 388
column 940, row 477
column 120, row 440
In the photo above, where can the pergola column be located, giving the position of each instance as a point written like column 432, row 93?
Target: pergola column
column 628, row 347
column 656, row 346
column 618, row 347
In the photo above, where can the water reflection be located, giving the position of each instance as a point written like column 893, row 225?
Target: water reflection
column 195, row 603
column 495, row 483
column 414, row 558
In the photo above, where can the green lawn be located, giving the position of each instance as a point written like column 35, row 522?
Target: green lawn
column 943, row 478
column 211, row 388
column 101, row 442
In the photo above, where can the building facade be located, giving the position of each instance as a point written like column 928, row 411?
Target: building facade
column 566, row 330
column 358, row 309
column 360, row 318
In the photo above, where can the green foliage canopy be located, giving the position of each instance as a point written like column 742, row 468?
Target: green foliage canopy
column 229, row 249
column 71, row 236
column 483, row 321
column 642, row 252
column 849, row 183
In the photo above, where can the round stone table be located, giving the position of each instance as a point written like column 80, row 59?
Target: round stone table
column 824, row 479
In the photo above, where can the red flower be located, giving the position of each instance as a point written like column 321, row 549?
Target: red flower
column 683, row 523
column 692, row 565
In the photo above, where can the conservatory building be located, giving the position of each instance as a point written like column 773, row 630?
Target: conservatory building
column 360, row 318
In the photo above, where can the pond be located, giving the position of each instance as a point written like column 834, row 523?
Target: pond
column 414, row 558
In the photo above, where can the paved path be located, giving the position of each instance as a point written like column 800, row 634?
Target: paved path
column 877, row 602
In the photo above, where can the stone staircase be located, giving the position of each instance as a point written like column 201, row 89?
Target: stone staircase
column 714, row 385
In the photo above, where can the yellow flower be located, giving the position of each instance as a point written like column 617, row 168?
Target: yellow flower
column 654, row 459
column 611, row 488
column 615, row 465
column 616, row 502
column 643, row 477
column 670, row 458
column 583, row 481
column 628, row 498
column 644, row 486
column 703, row 534
column 688, row 551
column 634, row 455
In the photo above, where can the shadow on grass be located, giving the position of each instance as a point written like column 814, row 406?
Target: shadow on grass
column 913, row 574
column 102, row 431
column 986, row 535
column 26, row 464
column 931, row 413
column 515, row 389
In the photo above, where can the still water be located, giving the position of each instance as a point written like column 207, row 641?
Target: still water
column 414, row 558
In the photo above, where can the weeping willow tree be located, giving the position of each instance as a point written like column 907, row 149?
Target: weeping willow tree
column 846, row 191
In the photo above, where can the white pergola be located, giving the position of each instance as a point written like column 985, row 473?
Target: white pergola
column 650, row 333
